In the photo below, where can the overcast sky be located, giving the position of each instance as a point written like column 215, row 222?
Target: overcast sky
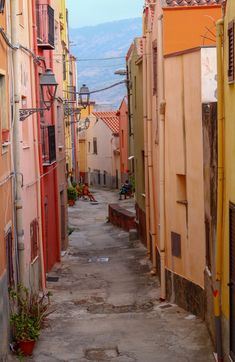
column 92, row 12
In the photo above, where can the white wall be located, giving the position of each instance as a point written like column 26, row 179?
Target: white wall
column 105, row 160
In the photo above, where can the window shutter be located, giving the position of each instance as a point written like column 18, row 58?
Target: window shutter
column 231, row 52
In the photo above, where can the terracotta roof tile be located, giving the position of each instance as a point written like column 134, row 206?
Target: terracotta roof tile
column 171, row 3
column 110, row 119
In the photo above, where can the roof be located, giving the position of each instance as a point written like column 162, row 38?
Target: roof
column 110, row 119
column 173, row 3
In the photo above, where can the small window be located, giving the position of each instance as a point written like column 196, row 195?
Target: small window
column 95, row 146
column 231, row 52
column 34, row 239
column 2, row 5
column 64, row 67
column 89, row 147
column 155, row 69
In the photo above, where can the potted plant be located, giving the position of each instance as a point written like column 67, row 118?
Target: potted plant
column 29, row 311
column 72, row 195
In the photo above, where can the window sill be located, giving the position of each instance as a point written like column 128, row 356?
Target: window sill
column 26, row 147
column 182, row 202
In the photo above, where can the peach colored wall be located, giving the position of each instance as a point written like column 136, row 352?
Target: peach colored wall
column 186, row 27
column 123, row 134
column 29, row 137
column 184, row 156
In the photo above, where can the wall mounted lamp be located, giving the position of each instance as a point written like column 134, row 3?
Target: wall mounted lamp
column 48, row 88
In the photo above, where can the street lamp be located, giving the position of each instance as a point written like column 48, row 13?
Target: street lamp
column 84, row 96
column 48, row 88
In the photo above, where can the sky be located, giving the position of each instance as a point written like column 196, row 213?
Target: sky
column 93, row 12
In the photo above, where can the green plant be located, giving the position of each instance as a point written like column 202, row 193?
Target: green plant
column 72, row 193
column 74, row 184
column 29, row 311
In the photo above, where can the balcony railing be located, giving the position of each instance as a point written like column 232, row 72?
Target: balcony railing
column 45, row 26
column 48, row 145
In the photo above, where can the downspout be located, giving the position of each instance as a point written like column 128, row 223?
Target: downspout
column 38, row 155
column 147, row 207
column 161, row 115
column 17, row 144
column 220, row 192
column 150, row 155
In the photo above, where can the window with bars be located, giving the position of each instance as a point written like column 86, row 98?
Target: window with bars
column 231, row 52
column 34, row 239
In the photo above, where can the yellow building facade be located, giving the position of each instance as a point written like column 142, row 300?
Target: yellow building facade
column 224, row 292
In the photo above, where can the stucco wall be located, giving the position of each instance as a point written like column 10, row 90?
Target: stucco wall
column 105, row 160
column 184, row 166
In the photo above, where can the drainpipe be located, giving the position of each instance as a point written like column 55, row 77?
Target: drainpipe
column 17, row 144
column 150, row 154
column 220, row 192
column 161, row 116
column 147, row 206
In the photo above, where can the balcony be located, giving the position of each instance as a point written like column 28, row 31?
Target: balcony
column 48, row 145
column 45, row 27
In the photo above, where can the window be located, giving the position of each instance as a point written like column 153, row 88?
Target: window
column 48, row 144
column 122, row 138
column 95, row 146
column 64, row 67
column 154, row 69
column 3, row 114
column 231, row 52
column 2, row 5
column 34, row 239
column 10, row 265
column 45, row 26
column 89, row 147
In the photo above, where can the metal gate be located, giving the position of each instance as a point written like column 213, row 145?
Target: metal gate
column 232, row 278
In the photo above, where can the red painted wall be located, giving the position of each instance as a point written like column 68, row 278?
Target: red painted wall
column 49, row 184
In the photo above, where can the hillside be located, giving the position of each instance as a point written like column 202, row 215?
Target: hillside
column 108, row 40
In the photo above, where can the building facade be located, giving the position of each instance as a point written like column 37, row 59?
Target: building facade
column 103, row 153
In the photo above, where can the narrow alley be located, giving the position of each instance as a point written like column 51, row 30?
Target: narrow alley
column 106, row 302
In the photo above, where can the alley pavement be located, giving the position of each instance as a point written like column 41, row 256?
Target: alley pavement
column 107, row 304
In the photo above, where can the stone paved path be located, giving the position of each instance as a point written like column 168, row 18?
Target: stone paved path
column 106, row 302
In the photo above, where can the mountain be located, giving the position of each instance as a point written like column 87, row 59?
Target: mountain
column 109, row 40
